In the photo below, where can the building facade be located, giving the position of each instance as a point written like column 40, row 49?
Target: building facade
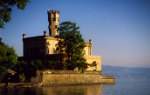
column 45, row 45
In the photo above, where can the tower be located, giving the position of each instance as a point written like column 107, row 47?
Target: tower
column 53, row 19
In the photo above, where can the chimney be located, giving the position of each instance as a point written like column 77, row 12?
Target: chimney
column 24, row 36
column 44, row 32
column 90, row 41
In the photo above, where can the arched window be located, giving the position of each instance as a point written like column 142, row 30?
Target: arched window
column 94, row 65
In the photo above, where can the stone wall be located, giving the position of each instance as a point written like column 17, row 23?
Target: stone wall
column 56, row 79
column 107, row 79
column 53, row 78
column 47, row 78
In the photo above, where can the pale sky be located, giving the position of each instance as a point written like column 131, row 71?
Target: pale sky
column 120, row 29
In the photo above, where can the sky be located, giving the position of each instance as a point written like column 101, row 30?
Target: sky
column 119, row 29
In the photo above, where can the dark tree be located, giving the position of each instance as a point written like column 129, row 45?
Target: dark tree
column 54, row 65
column 71, row 44
column 6, row 9
column 8, row 58
column 27, row 69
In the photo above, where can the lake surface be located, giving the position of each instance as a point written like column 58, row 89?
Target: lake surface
column 121, row 87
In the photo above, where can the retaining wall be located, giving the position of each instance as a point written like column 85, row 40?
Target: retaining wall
column 71, row 78
column 52, row 78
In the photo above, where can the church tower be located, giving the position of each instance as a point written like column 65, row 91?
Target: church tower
column 53, row 19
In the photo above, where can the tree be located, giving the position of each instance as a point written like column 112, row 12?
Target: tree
column 6, row 9
column 25, row 70
column 8, row 58
column 71, row 44
column 54, row 65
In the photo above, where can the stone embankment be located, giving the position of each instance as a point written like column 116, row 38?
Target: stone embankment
column 18, row 85
column 63, row 77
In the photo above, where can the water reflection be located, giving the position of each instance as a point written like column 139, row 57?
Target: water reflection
column 57, row 90
column 121, row 87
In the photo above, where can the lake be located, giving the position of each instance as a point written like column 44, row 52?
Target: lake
column 121, row 87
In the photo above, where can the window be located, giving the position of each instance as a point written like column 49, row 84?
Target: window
column 54, row 19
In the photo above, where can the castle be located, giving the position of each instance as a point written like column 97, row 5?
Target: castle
column 44, row 47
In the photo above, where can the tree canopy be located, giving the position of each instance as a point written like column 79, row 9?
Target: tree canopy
column 71, row 44
column 6, row 9
column 25, row 70
column 8, row 58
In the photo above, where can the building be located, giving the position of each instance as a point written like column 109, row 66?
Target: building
column 44, row 47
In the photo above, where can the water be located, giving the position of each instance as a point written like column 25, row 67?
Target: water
column 122, row 87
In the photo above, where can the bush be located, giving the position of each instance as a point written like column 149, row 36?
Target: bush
column 55, row 65
column 22, row 77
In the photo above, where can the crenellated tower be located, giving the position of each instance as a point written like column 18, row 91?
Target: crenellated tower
column 53, row 19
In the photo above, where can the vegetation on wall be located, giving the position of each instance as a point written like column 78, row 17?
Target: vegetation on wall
column 55, row 65
column 27, row 69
